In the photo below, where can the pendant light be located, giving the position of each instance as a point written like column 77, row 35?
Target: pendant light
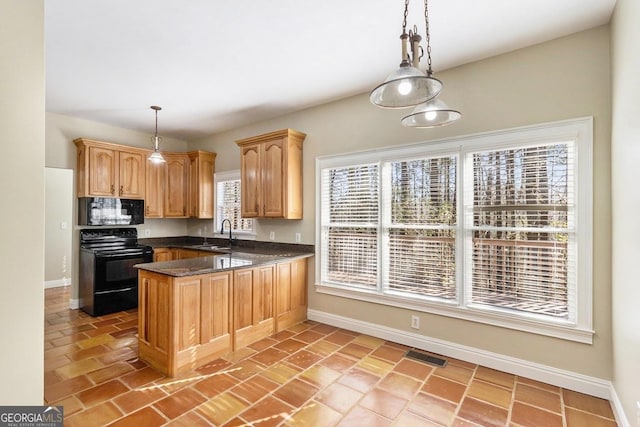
column 156, row 156
column 408, row 86
column 431, row 114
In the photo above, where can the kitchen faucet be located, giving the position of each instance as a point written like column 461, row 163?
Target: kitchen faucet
column 222, row 229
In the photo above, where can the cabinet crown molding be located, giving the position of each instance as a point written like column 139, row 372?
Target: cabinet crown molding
column 278, row 134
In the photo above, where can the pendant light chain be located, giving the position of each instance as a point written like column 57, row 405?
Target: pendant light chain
column 408, row 86
column 404, row 20
column 428, row 37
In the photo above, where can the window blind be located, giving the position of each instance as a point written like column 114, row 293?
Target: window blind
column 420, row 227
column 349, row 218
column 494, row 227
column 228, row 205
column 523, row 215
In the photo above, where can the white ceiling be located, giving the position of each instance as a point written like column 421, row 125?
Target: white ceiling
column 213, row 65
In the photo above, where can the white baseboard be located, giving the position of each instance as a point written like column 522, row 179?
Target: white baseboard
column 618, row 411
column 547, row 374
column 57, row 283
column 73, row 303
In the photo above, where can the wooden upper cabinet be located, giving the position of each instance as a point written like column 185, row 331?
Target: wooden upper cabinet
column 176, row 185
column 110, row 170
column 181, row 187
column 154, row 194
column 271, row 173
column 201, row 170
column 251, row 193
column 101, row 170
column 131, row 173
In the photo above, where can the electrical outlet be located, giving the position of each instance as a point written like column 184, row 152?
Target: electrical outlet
column 199, row 231
column 147, row 232
column 415, row 322
column 638, row 412
column 272, row 235
column 298, row 238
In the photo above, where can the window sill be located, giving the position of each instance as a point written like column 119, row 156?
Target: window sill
column 562, row 330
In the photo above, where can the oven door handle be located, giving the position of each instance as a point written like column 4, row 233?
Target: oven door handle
column 113, row 291
column 107, row 255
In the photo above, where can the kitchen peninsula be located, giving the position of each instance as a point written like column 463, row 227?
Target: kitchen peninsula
column 217, row 299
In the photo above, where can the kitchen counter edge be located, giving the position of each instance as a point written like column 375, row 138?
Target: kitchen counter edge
column 219, row 262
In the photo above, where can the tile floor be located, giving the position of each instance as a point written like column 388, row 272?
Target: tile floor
column 310, row 375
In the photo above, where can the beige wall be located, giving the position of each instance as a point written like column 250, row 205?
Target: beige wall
column 61, row 130
column 625, row 161
column 22, row 97
column 58, row 240
column 562, row 79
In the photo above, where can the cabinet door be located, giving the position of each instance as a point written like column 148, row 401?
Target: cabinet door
column 162, row 254
column 206, row 168
column 263, row 293
column 201, row 184
column 102, row 172
column 176, row 186
column 192, row 208
column 187, row 313
column 216, row 301
column 252, row 305
column 154, row 194
column 189, row 253
column 154, row 320
column 131, row 167
column 251, row 181
column 291, row 293
column 273, row 172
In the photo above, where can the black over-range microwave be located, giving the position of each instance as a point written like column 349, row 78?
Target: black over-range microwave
column 110, row 211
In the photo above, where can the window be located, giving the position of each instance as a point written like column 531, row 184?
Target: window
column 227, row 186
column 493, row 228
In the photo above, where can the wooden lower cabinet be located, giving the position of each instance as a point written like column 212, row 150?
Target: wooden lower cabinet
column 191, row 253
column 162, row 254
column 186, row 322
column 253, row 314
column 183, row 322
column 291, row 293
column 170, row 254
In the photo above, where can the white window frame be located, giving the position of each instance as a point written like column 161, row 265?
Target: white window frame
column 580, row 131
column 218, row 177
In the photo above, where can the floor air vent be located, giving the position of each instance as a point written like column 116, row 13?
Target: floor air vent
column 432, row 360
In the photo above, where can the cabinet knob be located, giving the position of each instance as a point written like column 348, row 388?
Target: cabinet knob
column 121, row 189
column 113, row 189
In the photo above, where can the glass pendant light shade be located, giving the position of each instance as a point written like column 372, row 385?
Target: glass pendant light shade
column 405, row 87
column 431, row 114
column 156, row 156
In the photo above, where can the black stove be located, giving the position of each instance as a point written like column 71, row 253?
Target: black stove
column 108, row 280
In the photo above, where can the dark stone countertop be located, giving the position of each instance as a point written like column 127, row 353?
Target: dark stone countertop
column 241, row 254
